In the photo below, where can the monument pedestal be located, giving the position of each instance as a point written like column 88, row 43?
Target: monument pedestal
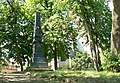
column 39, row 61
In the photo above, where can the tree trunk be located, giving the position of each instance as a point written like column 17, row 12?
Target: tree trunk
column 28, row 65
column 115, row 33
column 99, row 58
column 93, row 49
column 55, row 58
column 91, row 42
column 21, row 65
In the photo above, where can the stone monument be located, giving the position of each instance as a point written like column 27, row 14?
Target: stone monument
column 38, row 56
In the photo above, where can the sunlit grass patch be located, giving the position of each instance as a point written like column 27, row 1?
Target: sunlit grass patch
column 58, row 73
column 83, row 73
column 77, row 76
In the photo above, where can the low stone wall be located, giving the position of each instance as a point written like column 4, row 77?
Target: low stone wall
column 10, row 68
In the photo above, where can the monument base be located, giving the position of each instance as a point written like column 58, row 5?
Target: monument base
column 39, row 64
column 39, row 61
column 39, row 69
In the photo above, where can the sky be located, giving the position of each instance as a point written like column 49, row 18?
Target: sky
column 110, row 5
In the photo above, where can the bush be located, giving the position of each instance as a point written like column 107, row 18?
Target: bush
column 2, row 64
column 111, row 62
column 82, row 61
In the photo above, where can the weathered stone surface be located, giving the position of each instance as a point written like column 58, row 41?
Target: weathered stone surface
column 38, row 56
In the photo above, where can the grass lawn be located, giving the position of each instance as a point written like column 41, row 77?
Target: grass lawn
column 69, row 76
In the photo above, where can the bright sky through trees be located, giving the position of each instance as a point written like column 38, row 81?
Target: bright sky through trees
column 110, row 5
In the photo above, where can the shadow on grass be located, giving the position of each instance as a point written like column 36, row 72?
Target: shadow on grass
column 67, row 77
column 70, row 79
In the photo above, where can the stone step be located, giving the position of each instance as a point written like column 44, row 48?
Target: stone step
column 39, row 59
column 38, row 35
column 38, row 39
column 38, row 45
column 40, row 69
column 38, row 54
column 37, row 49
column 13, row 75
column 39, row 64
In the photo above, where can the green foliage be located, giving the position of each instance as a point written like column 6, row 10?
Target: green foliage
column 111, row 62
column 58, row 26
column 96, row 16
column 95, row 24
column 2, row 64
column 17, row 23
column 16, row 31
column 59, row 33
column 82, row 60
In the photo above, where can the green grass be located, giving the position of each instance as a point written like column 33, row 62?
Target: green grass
column 69, row 76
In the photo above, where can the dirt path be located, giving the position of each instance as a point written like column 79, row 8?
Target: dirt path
column 20, row 78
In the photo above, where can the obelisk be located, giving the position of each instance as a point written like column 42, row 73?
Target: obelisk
column 38, row 56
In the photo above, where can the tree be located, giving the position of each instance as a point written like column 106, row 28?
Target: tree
column 59, row 35
column 18, row 18
column 93, row 21
column 58, row 27
column 58, row 38
column 17, row 34
column 115, row 33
